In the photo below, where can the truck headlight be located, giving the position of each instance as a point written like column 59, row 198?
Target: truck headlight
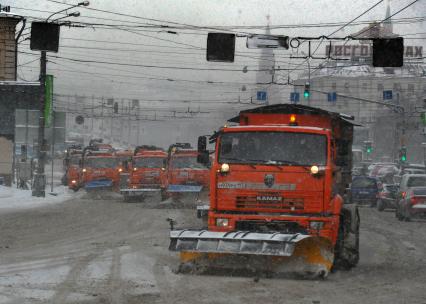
column 314, row 169
column 84, row 170
column 316, row 225
column 221, row 222
column 224, row 168
column 73, row 181
column 120, row 170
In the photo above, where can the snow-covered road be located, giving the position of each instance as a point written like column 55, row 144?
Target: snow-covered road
column 107, row 251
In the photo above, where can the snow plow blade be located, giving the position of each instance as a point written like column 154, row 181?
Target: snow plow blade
column 184, row 188
column 241, row 253
column 138, row 191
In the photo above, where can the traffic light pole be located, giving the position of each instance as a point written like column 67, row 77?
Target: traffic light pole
column 39, row 183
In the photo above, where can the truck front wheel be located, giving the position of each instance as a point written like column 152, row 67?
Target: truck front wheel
column 347, row 246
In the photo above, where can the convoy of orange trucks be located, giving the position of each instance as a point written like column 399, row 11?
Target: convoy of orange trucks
column 276, row 188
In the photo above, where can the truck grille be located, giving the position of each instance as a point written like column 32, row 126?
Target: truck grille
column 274, row 226
column 256, row 202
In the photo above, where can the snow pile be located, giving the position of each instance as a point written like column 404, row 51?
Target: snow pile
column 13, row 198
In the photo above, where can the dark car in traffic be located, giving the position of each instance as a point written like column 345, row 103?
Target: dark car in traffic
column 409, row 195
column 386, row 197
column 364, row 190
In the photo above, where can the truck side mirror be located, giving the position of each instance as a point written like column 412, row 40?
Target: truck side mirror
column 203, row 154
column 202, row 144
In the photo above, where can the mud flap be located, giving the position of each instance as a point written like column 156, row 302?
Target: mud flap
column 277, row 254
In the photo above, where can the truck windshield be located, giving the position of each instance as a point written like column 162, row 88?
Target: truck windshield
column 188, row 162
column 149, row 162
column 271, row 148
column 101, row 163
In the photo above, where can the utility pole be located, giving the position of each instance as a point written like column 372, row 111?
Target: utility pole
column 52, row 150
column 39, row 183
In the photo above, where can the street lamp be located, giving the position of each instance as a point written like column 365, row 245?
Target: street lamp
column 73, row 14
column 83, row 3
column 40, row 177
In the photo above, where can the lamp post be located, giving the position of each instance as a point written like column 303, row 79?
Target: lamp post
column 39, row 183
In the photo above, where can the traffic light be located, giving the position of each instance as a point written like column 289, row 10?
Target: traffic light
column 368, row 147
column 307, row 91
column 403, row 154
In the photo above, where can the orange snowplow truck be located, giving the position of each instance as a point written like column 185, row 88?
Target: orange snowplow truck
column 72, row 167
column 147, row 172
column 99, row 167
column 276, row 191
column 184, row 173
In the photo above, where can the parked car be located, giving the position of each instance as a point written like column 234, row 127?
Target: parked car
column 387, row 196
column 408, row 181
column 412, row 205
column 364, row 190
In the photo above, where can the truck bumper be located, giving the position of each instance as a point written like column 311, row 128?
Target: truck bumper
column 184, row 188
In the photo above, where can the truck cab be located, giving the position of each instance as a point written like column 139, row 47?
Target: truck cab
column 184, row 172
column 99, row 167
column 72, row 161
column 148, row 169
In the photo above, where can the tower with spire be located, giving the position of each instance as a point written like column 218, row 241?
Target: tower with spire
column 387, row 25
column 265, row 75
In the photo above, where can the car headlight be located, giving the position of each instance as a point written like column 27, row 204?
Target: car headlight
column 316, row 225
column 221, row 222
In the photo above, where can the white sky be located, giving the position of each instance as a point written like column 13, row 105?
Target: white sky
column 75, row 79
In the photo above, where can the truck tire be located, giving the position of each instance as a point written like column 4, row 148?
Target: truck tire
column 164, row 195
column 381, row 205
column 347, row 246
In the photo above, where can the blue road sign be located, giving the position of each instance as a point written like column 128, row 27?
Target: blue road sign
column 332, row 97
column 294, row 97
column 387, row 95
column 261, row 95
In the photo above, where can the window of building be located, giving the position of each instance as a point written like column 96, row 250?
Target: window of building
column 397, row 87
